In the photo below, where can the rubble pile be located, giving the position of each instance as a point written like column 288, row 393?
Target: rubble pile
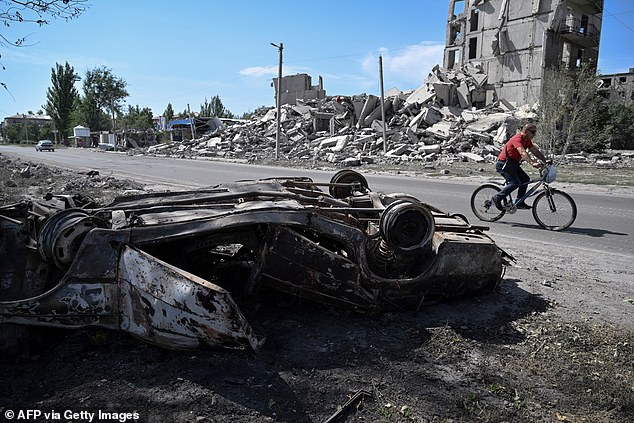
column 434, row 123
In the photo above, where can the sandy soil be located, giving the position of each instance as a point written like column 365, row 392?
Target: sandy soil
column 554, row 343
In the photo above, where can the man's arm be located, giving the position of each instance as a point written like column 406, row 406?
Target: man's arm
column 538, row 154
column 526, row 157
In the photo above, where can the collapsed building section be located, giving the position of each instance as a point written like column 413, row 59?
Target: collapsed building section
column 418, row 128
column 299, row 86
column 174, row 269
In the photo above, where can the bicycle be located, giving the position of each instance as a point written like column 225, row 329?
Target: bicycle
column 552, row 209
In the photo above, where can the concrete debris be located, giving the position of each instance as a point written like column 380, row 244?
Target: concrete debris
column 450, row 118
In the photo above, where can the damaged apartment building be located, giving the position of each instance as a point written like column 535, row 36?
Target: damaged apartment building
column 618, row 87
column 513, row 42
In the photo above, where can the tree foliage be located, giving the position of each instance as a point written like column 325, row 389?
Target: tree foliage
column 38, row 11
column 106, row 89
column 137, row 118
column 618, row 128
column 88, row 114
column 168, row 113
column 567, row 109
column 61, row 97
column 214, row 108
column 28, row 132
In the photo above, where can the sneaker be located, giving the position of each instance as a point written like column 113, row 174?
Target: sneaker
column 523, row 206
column 497, row 202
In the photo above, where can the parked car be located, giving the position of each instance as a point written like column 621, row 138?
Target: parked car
column 44, row 145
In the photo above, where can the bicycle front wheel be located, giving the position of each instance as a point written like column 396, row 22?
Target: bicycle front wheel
column 554, row 210
column 481, row 203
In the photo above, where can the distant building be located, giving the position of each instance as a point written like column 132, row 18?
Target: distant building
column 515, row 41
column 618, row 87
column 298, row 87
column 28, row 119
column 24, row 119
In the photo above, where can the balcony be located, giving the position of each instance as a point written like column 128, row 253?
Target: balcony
column 581, row 33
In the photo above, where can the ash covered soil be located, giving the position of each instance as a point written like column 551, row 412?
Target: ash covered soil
column 555, row 343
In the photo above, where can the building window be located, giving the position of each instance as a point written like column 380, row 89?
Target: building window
column 455, row 36
column 583, row 27
column 473, row 48
column 579, row 60
column 453, row 58
column 458, row 8
column 474, row 20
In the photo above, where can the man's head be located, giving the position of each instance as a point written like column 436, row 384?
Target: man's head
column 530, row 129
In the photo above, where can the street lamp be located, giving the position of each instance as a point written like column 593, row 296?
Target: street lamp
column 278, row 101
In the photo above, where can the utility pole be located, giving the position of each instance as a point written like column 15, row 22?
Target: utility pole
column 383, row 105
column 191, row 122
column 278, row 101
column 26, row 129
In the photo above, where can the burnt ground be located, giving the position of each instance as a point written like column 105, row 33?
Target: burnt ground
column 555, row 343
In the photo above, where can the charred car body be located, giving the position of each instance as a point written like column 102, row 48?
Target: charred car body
column 168, row 267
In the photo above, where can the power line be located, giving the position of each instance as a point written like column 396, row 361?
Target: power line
column 618, row 20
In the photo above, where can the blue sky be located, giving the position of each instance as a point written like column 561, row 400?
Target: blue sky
column 183, row 52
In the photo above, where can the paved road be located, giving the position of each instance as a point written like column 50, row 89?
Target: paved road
column 605, row 222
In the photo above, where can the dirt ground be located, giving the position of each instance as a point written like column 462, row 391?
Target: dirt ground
column 555, row 343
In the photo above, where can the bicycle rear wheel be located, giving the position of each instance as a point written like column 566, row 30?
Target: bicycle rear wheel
column 481, row 203
column 554, row 210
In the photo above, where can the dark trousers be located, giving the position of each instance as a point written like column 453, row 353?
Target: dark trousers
column 515, row 177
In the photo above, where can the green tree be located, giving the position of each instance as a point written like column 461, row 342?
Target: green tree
column 168, row 113
column 107, row 90
column 137, row 118
column 567, row 109
column 35, row 12
column 619, row 128
column 88, row 114
column 61, row 97
column 214, row 108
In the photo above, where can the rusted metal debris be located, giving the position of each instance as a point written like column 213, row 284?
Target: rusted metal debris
column 168, row 267
column 354, row 403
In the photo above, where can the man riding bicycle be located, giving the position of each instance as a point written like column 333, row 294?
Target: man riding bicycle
column 509, row 165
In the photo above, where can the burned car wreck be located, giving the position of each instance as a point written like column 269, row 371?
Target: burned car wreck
column 172, row 267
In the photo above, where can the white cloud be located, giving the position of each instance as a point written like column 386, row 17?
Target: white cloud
column 260, row 71
column 408, row 66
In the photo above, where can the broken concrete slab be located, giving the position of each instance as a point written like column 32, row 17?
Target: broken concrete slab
column 368, row 107
column 488, row 122
column 472, row 157
column 440, row 130
column 421, row 95
column 336, row 144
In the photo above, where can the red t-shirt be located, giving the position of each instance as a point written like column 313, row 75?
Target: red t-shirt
column 516, row 140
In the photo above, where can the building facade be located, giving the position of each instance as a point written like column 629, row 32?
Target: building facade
column 618, row 87
column 515, row 41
